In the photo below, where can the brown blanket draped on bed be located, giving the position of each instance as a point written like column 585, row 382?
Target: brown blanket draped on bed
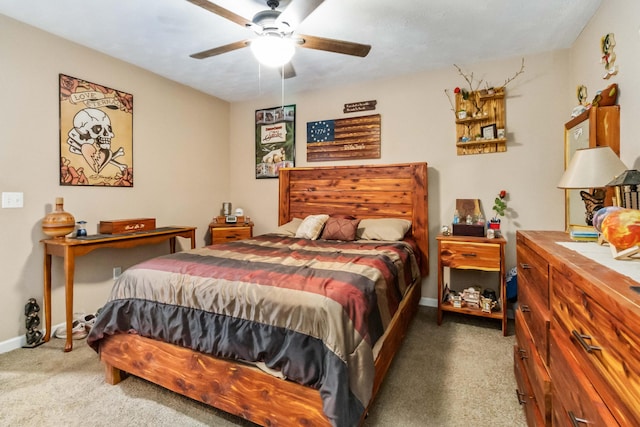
column 311, row 309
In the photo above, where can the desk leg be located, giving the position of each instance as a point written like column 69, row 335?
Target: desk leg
column 69, row 268
column 172, row 245
column 192, row 236
column 47, row 295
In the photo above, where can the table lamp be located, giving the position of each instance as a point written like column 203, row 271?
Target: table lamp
column 626, row 185
column 592, row 168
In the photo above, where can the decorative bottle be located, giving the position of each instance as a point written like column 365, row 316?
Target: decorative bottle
column 58, row 223
column 456, row 217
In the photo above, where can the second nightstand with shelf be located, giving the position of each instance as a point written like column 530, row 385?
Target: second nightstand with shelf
column 472, row 253
column 222, row 232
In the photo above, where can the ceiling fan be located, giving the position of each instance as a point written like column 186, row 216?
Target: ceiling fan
column 274, row 26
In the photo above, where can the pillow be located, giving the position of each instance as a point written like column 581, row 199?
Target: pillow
column 289, row 229
column 340, row 228
column 311, row 226
column 383, row 229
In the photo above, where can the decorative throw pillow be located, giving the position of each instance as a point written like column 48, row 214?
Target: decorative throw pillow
column 311, row 226
column 340, row 228
column 383, row 229
column 289, row 229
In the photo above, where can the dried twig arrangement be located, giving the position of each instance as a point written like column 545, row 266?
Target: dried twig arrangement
column 473, row 87
column 506, row 82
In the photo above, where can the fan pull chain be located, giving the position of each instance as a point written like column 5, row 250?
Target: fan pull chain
column 282, row 88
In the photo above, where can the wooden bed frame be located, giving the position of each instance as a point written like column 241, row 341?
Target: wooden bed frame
column 377, row 191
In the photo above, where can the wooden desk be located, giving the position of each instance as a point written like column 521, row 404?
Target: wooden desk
column 69, row 248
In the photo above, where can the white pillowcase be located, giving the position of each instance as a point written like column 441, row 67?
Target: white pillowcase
column 383, row 229
column 289, row 229
column 311, row 226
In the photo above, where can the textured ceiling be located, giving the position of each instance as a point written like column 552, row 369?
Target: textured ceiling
column 407, row 36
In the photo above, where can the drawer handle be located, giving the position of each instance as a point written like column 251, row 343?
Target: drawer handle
column 470, row 255
column 575, row 421
column 581, row 339
column 525, row 308
column 525, row 266
column 522, row 353
column 520, row 396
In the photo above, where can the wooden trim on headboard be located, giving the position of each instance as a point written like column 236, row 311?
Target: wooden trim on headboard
column 370, row 191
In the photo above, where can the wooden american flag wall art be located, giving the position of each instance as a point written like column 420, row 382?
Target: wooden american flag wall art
column 344, row 139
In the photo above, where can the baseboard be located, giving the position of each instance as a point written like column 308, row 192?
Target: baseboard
column 12, row 344
column 18, row 342
column 428, row 302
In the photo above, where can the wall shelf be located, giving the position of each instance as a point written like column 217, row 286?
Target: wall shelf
column 485, row 110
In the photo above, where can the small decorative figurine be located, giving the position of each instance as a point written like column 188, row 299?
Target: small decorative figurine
column 487, row 304
column 607, row 43
column 32, row 321
column 472, row 297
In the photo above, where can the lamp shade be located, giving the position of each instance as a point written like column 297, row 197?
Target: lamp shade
column 592, row 168
column 628, row 177
column 273, row 50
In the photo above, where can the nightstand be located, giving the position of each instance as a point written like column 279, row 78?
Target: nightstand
column 228, row 232
column 472, row 253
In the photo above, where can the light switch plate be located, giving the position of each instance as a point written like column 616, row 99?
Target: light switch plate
column 12, row 199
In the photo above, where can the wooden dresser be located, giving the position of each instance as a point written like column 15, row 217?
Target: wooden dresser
column 577, row 351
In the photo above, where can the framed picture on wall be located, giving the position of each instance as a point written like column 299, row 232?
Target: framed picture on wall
column 275, row 140
column 489, row 132
column 96, row 134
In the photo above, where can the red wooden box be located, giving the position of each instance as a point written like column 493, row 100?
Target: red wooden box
column 118, row 226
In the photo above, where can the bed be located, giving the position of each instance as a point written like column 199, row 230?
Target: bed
column 338, row 389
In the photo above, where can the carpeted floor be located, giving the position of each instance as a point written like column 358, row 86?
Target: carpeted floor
column 458, row 374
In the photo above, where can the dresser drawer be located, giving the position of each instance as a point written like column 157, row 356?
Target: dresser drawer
column 608, row 349
column 537, row 318
column 229, row 234
column 524, row 394
column 576, row 402
column 534, row 271
column 534, row 366
column 477, row 256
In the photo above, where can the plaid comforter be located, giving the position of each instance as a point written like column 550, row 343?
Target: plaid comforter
column 312, row 310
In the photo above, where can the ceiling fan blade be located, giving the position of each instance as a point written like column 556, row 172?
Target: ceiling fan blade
column 287, row 70
column 297, row 11
column 221, row 11
column 220, row 49
column 331, row 45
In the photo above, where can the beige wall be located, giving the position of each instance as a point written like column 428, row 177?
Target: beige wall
column 180, row 145
column 186, row 167
column 418, row 125
column 622, row 18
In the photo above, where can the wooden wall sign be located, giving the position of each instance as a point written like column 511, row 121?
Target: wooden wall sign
column 359, row 106
column 344, row 139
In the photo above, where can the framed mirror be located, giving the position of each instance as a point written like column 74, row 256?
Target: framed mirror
column 575, row 137
column 596, row 127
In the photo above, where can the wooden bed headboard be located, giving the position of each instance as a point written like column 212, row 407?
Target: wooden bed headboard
column 371, row 191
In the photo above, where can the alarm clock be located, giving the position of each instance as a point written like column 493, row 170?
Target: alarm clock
column 230, row 219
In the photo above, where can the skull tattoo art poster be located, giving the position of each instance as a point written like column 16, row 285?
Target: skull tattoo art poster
column 96, row 134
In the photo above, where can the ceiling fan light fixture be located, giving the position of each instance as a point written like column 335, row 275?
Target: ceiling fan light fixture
column 273, row 50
